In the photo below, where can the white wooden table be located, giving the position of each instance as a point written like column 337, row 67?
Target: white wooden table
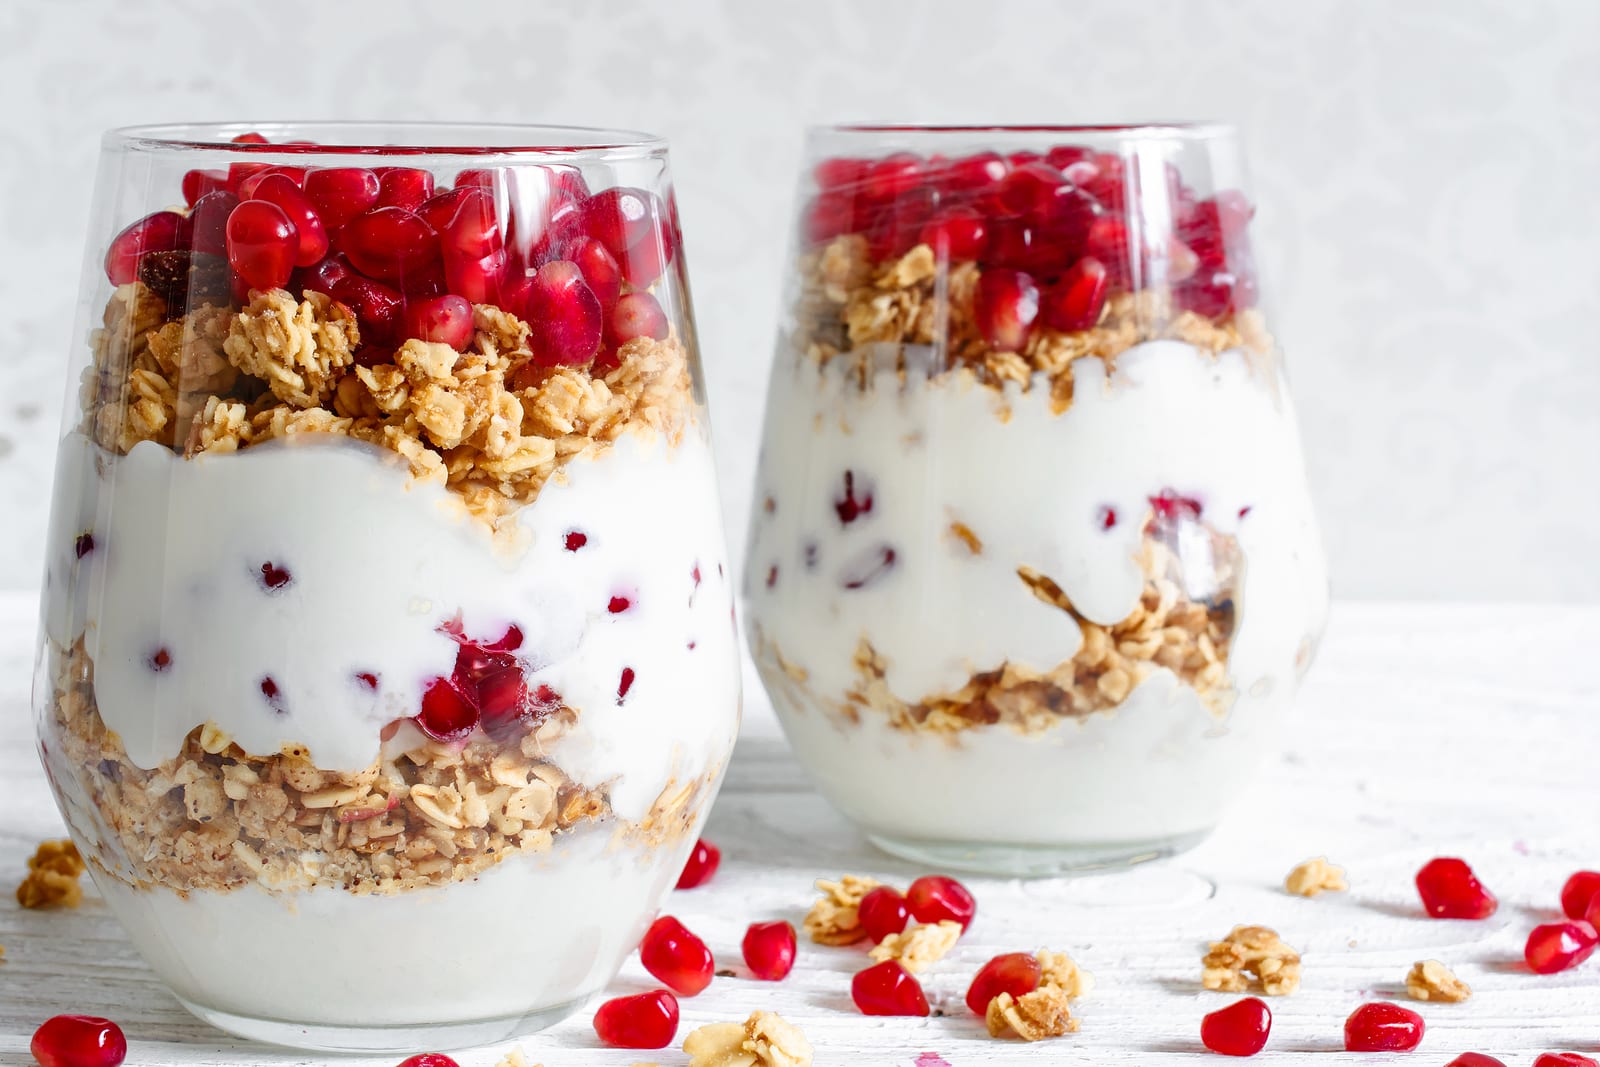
column 1424, row 730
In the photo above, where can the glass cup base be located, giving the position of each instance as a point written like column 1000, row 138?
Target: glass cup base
column 399, row 1040
column 1034, row 861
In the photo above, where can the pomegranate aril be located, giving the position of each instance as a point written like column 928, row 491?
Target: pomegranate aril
column 1076, row 301
column 1556, row 947
column 638, row 315
column 341, row 193
column 197, row 183
column 839, row 171
column 79, row 1041
column 389, row 243
column 599, row 268
column 1240, row 1029
column 160, row 660
column 274, row 576
column 1382, row 1027
column 563, row 314
column 446, row 714
column 826, row 216
column 648, row 1020
column 676, row 956
column 248, row 188
column 405, row 187
column 882, row 912
column 853, row 504
column 1005, row 308
column 262, row 244
column 971, row 174
column 1475, row 1059
column 769, row 950
column 647, row 259
column 887, row 988
column 481, row 281
column 163, row 231
column 575, row 540
column 442, row 319
column 1028, row 189
column 439, row 210
column 313, row 238
column 935, row 897
column 474, row 230
column 1579, row 890
column 503, row 702
column 208, row 222
column 377, row 307
column 892, row 175
column 621, row 217
column 1449, row 890
column 1564, row 1059
column 1016, row 973
column 624, row 684
column 703, row 860
column 1063, row 156
column 956, row 234
column 429, row 1059
column 1592, row 916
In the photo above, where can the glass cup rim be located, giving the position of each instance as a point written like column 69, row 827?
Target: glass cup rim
column 1198, row 129
column 510, row 141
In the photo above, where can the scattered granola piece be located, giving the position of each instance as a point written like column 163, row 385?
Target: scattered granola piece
column 1432, row 980
column 1057, row 971
column 52, row 880
column 763, row 1040
column 515, row 1058
column 1316, row 876
column 918, row 947
column 835, row 918
column 1033, row 1017
column 1251, row 952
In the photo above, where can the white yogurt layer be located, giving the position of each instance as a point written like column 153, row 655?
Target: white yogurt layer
column 376, row 564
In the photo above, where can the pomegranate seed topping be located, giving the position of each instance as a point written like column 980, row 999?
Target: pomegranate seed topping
column 83, row 544
column 1450, row 890
column 483, row 281
column 274, row 576
column 647, row 259
column 1063, row 156
column 1016, row 973
column 934, row 898
column 600, row 269
column 439, row 210
column 160, row 660
column 320, row 277
column 618, row 605
column 164, row 231
column 1023, row 158
column 575, row 540
column 269, row 689
column 79, row 1041
column 208, row 222
column 888, row 989
column 624, row 684
column 429, row 1059
column 1076, row 301
column 1005, row 308
column 704, row 859
column 1240, row 1029
column 1029, row 189
column 247, row 188
column 404, row 187
column 1578, row 891
column 1106, row 518
column 973, row 174
column 1555, row 947
column 564, row 315
column 850, row 507
column 313, row 239
column 956, row 233
column 341, row 193
column 262, row 244
column 892, row 175
column 1475, row 1059
column 197, row 183
column 442, row 319
column 883, row 912
column 769, row 950
column 377, row 307
column 473, row 231
column 1382, row 1027
column 638, row 315
column 832, row 173
column 389, row 243
column 446, row 715
column 676, row 956
column 621, row 218
column 649, row 1020
column 827, row 216
column 1564, row 1059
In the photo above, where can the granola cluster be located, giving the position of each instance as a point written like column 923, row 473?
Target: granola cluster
column 1046, row 1011
column 835, row 919
column 919, row 945
column 765, row 1039
column 488, row 423
column 1432, row 980
column 847, row 302
column 1251, row 953
column 52, row 879
column 1315, row 876
column 217, row 818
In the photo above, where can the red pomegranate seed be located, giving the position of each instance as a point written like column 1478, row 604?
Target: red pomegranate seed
column 377, row 307
column 442, row 319
column 274, row 576
column 618, row 605
column 1106, row 518
column 1063, row 156
column 405, row 187
column 934, row 898
column 429, row 1059
column 368, row 679
column 1076, row 301
column 1555, row 947
column 320, row 277
column 1592, row 916
column 446, row 715
column 832, row 173
column 1170, row 506
column 826, row 216
column 575, row 540
column 1450, row 890
column 638, row 315
column 1029, row 189
column 164, row 231
column 1475, row 1059
column 621, row 217
column 883, row 912
column 851, row 507
column 79, row 1041
column 389, row 243
column 769, row 950
column 262, row 244
column 972, row 174
column 1578, row 891
column 197, row 183
column 313, row 239
column 1240, row 1029
column 1016, row 973
column 503, row 702
column 438, row 210
column 888, row 989
column 481, row 281
column 956, row 234
column 647, row 258
column 208, row 222
column 600, row 269
column 1564, row 1059
column 160, row 660
column 1382, row 1027
column 1006, row 305
column 83, row 544
column 564, row 315
column 892, row 175
column 624, row 684
column 341, row 193
column 703, row 861
column 248, row 188
column 474, row 230
column 648, row 1020
column 678, row 958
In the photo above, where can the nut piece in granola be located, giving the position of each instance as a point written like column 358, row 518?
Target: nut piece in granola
column 835, row 919
column 1251, row 953
column 1432, row 980
column 763, row 1040
column 1058, row 971
column 1046, row 1012
column 52, row 880
column 919, row 947
column 1316, row 876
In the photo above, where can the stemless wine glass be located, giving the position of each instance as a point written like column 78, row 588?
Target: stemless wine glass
column 1033, row 571
column 387, row 668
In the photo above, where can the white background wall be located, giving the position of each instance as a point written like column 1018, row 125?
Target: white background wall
column 1428, row 172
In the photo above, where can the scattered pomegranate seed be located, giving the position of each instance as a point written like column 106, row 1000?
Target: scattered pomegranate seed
column 368, row 679
column 1016, row 973
column 377, row 307
column 79, row 1041
column 956, row 233
column 1555, row 947
column 1592, row 916
column 888, row 989
column 405, row 187
column 575, row 540
column 208, row 222
column 83, row 544
column 1450, row 890
column 1382, row 1027
column 883, row 912
column 618, row 605
column 164, row 231
column 850, row 507
column 1005, row 308
column 703, row 861
column 274, row 576
column 892, row 175
column 1475, row 1059
column 638, row 315
column 313, row 238
column 1240, row 1029
column 677, row 957
column 262, row 244
column 1564, row 1059
column 341, row 193
column 564, row 315
column 1578, row 891
column 934, row 898
column 442, row 319
column 197, row 183
column 624, row 684
column 600, row 270
column 446, row 715
column 832, row 173
column 389, row 243
column 160, row 660
column 1106, row 518
column 648, row 1020
column 769, row 950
